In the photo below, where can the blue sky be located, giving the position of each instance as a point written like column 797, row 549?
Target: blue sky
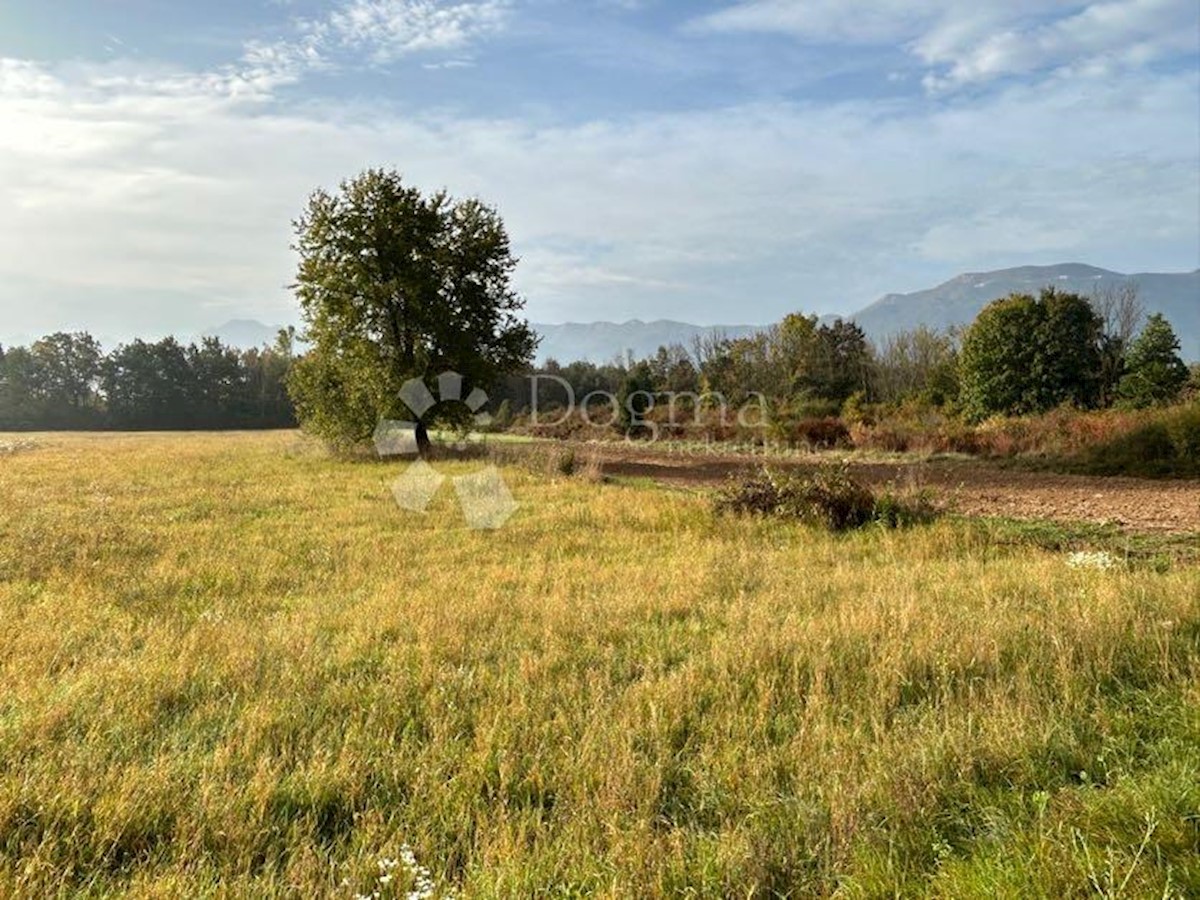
column 708, row 161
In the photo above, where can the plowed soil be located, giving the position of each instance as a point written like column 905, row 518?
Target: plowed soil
column 972, row 487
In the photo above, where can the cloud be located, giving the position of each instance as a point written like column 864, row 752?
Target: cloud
column 832, row 21
column 1098, row 39
column 377, row 31
column 390, row 29
column 971, row 43
column 141, row 198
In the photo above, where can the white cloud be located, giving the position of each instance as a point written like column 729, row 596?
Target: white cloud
column 169, row 194
column 966, row 43
column 1099, row 38
column 835, row 21
column 379, row 31
column 389, row 29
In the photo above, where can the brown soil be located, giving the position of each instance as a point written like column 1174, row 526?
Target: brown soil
column 972, row 487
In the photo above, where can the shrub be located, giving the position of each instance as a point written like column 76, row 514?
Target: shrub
column 1183, row 427
column 550, row 459
column 889, row 437
column 893, row 510
column 916, row 429
column 1166, row 442
column 828, row 497
column 824, row 433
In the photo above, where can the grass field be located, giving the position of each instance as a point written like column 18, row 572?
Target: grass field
column 232, row 667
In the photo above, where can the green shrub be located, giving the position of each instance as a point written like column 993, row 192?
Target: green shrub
column 893, row 510
column 1183, row 428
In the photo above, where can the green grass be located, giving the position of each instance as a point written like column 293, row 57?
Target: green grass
column 1158, row 550
column 232, row 667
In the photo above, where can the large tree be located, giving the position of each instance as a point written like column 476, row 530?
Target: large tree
column 1154, row 372
column 394, row 285
column 1026, row 355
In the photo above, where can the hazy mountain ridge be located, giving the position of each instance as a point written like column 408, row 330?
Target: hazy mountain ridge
column 959, row 300
column 954, row 302
column 243, row 333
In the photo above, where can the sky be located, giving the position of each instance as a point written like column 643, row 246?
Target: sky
column 713, row 162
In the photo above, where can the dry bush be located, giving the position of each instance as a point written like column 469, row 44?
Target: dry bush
column 933, row 434
column 828, row 497
column 815, row 433
column 550, row 459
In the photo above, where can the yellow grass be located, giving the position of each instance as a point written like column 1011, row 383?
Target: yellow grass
column 232, row 667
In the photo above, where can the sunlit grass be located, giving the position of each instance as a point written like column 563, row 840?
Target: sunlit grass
column 231, row 666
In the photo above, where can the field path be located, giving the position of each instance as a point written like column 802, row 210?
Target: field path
column 973, row 487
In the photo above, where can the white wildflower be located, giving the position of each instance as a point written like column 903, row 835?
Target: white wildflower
column 1099, row 559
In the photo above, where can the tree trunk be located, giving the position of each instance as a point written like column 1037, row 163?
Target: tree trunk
column 424, row 445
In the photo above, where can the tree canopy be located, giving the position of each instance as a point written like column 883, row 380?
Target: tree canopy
column 1026, row 355
column 65, row 381
column 394, row 285
column 1154, row 372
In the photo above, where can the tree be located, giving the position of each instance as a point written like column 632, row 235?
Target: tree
column 149, row 385
column 20, row 400
column 219, row 386
column 672, row 370
column 1154, row 373
column 1025, row 355
column 922, row 363
column 1121, row 312
column 843, row 361
column 395, row 285
column 68, row 369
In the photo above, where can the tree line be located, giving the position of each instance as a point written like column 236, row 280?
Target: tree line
column 66, row 381
column 396, row 286
column 1022, row 355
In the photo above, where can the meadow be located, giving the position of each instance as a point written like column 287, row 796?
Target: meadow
column 232, row 667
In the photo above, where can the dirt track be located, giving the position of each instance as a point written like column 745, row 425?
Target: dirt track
column 971, row 487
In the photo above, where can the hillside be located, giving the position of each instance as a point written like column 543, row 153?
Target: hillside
column 955, row 302
column 959, row 300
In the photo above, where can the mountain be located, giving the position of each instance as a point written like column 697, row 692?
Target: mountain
column 602, row 342
column 959, row 300
column 245, row 334
column 956, row 302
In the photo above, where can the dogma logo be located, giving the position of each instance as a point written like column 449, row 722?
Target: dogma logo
column 484, row 496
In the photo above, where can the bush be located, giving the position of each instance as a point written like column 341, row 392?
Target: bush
column 1165, row 443
column 916, row 428
column 828, row 497
column 1183, row 427
column 551, row 460
column 825, row 433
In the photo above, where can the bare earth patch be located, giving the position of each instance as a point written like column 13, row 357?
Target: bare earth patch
column 972, row 487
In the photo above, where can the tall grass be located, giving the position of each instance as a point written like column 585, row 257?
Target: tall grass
column 232, row 667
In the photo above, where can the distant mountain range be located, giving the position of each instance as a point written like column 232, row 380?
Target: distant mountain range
column 955, row 302
column 959, row 300
column 243, row 333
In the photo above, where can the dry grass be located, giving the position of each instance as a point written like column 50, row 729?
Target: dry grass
column 232, row 667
